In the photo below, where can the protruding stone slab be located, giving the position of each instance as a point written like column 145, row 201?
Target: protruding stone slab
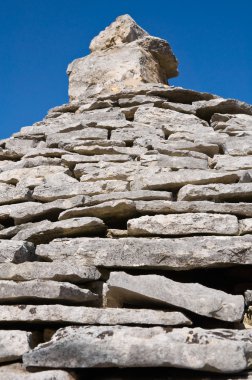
column 245, row 226
column 175, row 254
column 145, row 195
column 208, row 350
column 13, row 194
column 106, row 171
column 44, row 290
column 225, row 162
column 17, row 371
column 13, row 344
column 216, row 192
column 166, row 180
column 169, row 207
column 46, row 231
column 124, row 288
column 65, row 270
column 183, row 224
column 90, row 315
column 16, row 251
column 117, row 209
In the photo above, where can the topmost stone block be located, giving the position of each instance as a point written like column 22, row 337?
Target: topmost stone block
column 123, row 56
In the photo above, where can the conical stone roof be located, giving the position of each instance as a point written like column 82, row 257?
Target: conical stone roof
column 126, row 222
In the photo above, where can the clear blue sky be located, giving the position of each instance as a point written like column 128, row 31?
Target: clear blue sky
column 38, row 38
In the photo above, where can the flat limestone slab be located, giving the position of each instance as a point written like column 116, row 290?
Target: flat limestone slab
column 16, row 251
column 90, row 315
column 124, row 288
column 120, row 346
column 43, row 290
column 183, row 224
column 16, row 371
column 167, row 253
column 13, row 344
column 65, row 270
column 226, row 162
column 216, row 192
column 12, row 194
column 45, row 230
column 166, row 180
column 169, row 207
column 144, row 195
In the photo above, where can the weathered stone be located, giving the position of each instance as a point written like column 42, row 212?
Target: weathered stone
column 169, row 207
column 232, row 124
column 144, row 195
column 72, row 159
column 238, row 146
column 248, row 297
column 111, row 147
column 16, row 371
column 89, row 315
column 20, row 146
column 32, row 176
column 245, row 226
column 116, row 209
column 43, row 290
column 32, row 211
column 166, row 180
column 175, row 147
column 67, row 270
column 124, row 288
column 128, row 135
column 16, row 251
column 116, row 233
column 205, row 109
column 46, row 231
column 151, row 60
column 183, row 224
column 13, row 344
column 232, row 163
column 140, row 99
column 175, row 254
column 47, row 193
column 171, row 121
column 60, row 139
column 45, row 152
column 189, row 160
column 216, row 192
column 13, row 194
column 208, row 350
column 106, row 171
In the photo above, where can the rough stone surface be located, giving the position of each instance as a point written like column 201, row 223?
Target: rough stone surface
column 16, row 251
column 13, row 344
column 89, row 315
column 124, row 288
column 188, row 224
column 17, row 371
column 177, row 254
column 207, row 350
column 43, row 290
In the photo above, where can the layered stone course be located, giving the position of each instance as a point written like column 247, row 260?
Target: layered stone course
column 126, row 224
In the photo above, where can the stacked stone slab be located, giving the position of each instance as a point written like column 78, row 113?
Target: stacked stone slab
column 126, row 225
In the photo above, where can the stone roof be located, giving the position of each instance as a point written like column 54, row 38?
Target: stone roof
column 125, row 225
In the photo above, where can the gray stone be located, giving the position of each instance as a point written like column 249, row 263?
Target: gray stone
column 20, row 146
column 13, row 344
column 166, row 180
column 124, row 288
column 111, row 147
column 46, row 231
column 205, row 109
column 106, row 171
column 232, row 163
column 248, row 297
column 16, row 251
column 245, row 226
column 216, row 192
column 178, row 147
column 90, row 315
column 35, row 290
column 72, row 159
column 128, row 135
column 16, row 371
column 238, row 146
column 232, row 124
column 116, row 209
column 12, row 194
column 183, row 224
column 67, row 270
column 169, row 207
column 48, row 193
column 120, row 346
column 174, row 254
column 171, row 121
column 31, row 211
column 189, row 160
column 61, row 139
column 145, row 195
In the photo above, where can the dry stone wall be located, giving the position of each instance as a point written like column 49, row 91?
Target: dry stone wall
column 126, row 231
